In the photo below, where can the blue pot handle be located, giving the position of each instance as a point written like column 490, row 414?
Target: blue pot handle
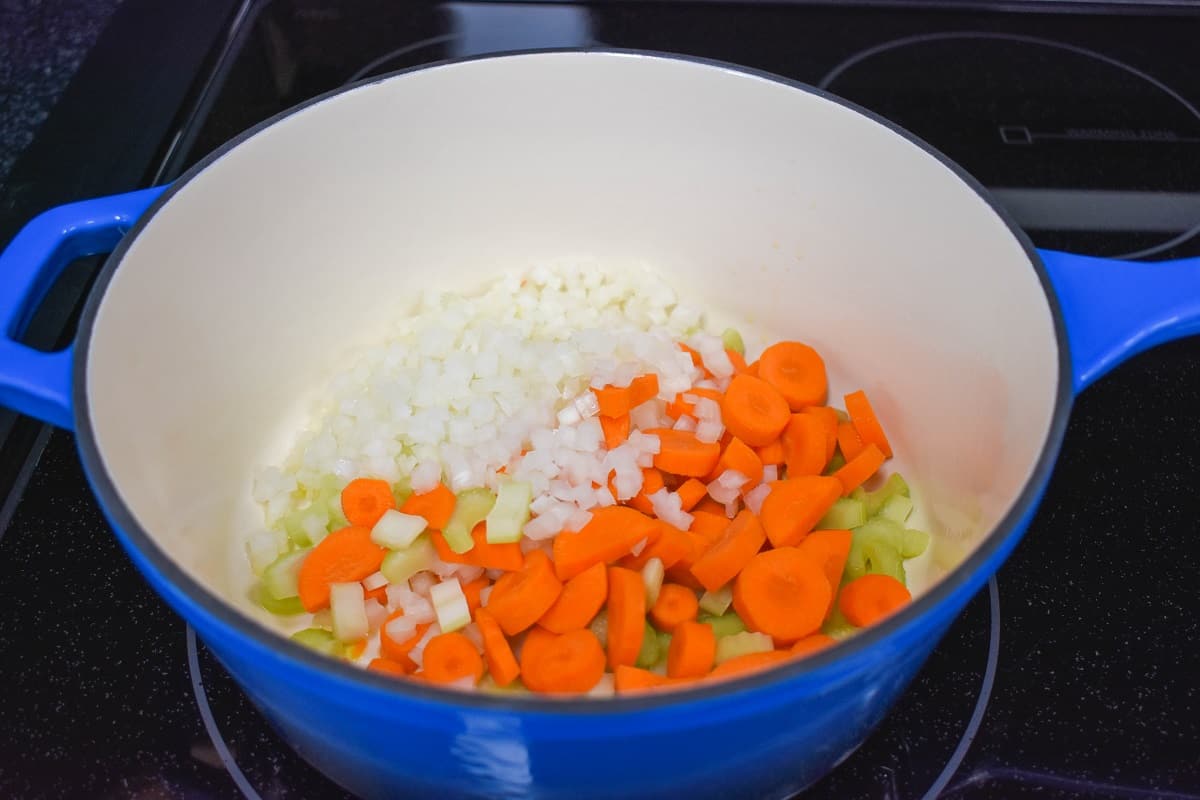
column 33, row 382
column 1116, row 309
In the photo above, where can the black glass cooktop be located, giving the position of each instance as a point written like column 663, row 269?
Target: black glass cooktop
column 1075, row 674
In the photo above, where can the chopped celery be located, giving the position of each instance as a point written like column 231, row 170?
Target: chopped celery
column 895, row 485
column 744, row 643
column 649, row 655
column 450, row 605
column 837, row 462
column 914, row 543
column 896, row 508
column 846, row 513
column 293, row 526
column 488, row 684
column 506, row 519
column 881, row 530
column 718, row 602
column 652, row 577
column 263, row 547
column 733, row 341
column 288, row 607
column 397, row 531
column 873, row 556
column 281, row 578
column 599, row 626
column 320, row 640
column 348, row 604
column 471, row 507
column 402, row 490
column 664, row 644
column 724, row 624
column 400, row 565
column 837, row 625
column 329, row 497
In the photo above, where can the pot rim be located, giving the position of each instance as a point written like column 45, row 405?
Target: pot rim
column 219, row 612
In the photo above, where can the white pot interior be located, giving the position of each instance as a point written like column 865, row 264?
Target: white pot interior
column 235, row 305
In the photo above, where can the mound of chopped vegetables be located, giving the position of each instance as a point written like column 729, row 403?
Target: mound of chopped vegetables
column 658, row 534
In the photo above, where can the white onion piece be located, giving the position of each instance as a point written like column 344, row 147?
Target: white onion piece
column 756, row 496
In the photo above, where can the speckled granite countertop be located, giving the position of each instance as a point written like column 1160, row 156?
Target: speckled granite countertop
column 42, row 43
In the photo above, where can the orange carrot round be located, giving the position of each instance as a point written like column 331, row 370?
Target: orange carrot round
column 829, row 423
column 771, row 454
column 398, row 651
column 868, row 599
column 804, row 445
column 631, row 679
column 754, row 411
column 581, row 599
column 675, row 605
column 848, row 440
column 472, row 590
column 681, row 453
column 690, row 493
column 693, row 648
column 387, row 667
column 449, row 657
column 797, row 371
column 796, row 505
column 344, row 555
column 501, row 663
column 782, row 593
column 829, row 550
column 751, row 662
column 435, row 506
column 521, row 601
column 571, row 663
column 865, row 422
column 812, row 644
column 720, row 563
column 364, row 501
column 626, row 616
column 611, row 533
column 739, row 457
column 858, row 469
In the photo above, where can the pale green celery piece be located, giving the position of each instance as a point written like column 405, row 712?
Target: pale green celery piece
column 294, row 530
column 914, row 543
column 488, row 684
column 837, row 462
column 664, row 644
column 320, row 640
column 329, row 497
column 741, row 644
column 599, row 626
column 507, row 517
column 281, row 578
column 471, row 507
column 893, row 486
column 733, row 341
column 723, row 625
column 288, row 607
column 845, row 514
column 649, row 655
column 896, row 508
column 842, row 416
column 873, row 556
column 402, row 490
column 883, row 530
column 400, row 565
column 718, row 602
column 837, row 625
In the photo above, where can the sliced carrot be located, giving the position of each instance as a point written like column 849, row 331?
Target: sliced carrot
column 501, row 663
column 472, row 591
column 751, row 662
column 353, row 651
column 364, row 501
column 709, row 506
column 652, row 481
column 740, row 542
column 398, row 651
column 829, row 550
column 523, row 600
column 450, row 657
column 614, row 400
column 643, row 388
column 581, row 599
column 771, row 454
column 670, row 546
column 616, row 430
column 858, row 469
column 691, row 492
column 679, row 406
column 739, row 457
column 507, row 557
column 378, row 593
column 753, row 410
column 829, row 423
column 865, row 422
column 709, row 525
column 692, row 650
column 795, row 505
column 797, row 371
column 611, row 533
column 738, row 361
column 848, row 440
column 569, row 663
column 629, row 679
column 681, row 453
column 675, row 605
column 435, row 506
column 752, row 368
column 344, row 555
column 697, row 359
column 387, row 667
column 626, row 616
column 812, row 644
column 868, row 599
column 782, row 593
column 804, row 445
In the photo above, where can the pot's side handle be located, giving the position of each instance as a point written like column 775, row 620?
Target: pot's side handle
column 1116, row 309
column 31, row 381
